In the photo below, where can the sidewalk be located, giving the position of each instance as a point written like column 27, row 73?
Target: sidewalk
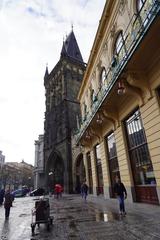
column 142, row 220
column 75, row 219
column 99, row 219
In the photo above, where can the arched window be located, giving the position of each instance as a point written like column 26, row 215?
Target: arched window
column 118, row 50
column 139, row 4
column 92, row 96
column 118, row 43
column 102, row 76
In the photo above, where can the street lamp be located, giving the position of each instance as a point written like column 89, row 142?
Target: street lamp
column 50, row 174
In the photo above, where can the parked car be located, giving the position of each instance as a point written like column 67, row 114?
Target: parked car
column 37, row 192
column 19, row 193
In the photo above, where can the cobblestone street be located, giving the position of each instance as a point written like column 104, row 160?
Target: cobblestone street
column 75, row 219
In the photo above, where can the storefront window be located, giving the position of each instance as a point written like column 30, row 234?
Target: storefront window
column 142, row 169
column 99, row 170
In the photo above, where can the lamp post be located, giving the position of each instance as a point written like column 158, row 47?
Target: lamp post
column 50, row 174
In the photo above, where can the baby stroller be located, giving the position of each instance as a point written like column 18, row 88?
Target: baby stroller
column 41, row 214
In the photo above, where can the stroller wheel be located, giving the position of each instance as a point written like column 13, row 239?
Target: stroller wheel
column 32, row 229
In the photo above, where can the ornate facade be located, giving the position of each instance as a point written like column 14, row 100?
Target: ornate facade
column 62, row 109
column 120, row 102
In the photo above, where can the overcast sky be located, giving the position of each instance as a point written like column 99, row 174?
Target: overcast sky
column 31, row 35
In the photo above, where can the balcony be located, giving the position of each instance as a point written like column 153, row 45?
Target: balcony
column 132, row 37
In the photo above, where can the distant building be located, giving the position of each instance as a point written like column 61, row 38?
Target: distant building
column 39, row 163
column 2, row 159
column 15, row 175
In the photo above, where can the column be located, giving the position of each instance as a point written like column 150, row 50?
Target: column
column 105, row 170
column 124, row 164
column 94, row 174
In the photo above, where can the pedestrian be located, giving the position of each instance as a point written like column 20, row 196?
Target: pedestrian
column 121, row 194
column 84, row 190
column 1, row 196
column 58, row 190
column 7, row 203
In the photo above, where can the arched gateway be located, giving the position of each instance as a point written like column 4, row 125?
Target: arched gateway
column 54, row 170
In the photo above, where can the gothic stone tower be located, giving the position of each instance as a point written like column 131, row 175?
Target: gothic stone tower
column 61, row 88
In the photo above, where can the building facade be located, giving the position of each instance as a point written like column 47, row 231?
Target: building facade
column 120, row 102
column 62, row 85
column 14, row 175
column 39, row 163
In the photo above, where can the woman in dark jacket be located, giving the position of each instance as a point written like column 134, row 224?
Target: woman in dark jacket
column 8, row 203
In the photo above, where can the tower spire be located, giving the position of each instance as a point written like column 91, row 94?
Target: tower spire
column 70, row 47
column 72, row 26
column 46, row 72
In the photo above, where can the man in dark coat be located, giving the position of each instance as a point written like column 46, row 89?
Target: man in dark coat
column 8, row 203
column 84, row 190
column 121, row 194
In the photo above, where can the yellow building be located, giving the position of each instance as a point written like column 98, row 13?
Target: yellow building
column 119, row 98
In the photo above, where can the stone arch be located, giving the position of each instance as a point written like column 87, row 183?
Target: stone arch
column 55, row 170
column 80, row 174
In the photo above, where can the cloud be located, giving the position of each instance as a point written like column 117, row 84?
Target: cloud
column 31, row 35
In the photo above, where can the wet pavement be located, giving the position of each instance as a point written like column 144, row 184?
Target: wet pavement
column 75, row 219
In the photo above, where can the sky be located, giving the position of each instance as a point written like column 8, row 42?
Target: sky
column 31, row 35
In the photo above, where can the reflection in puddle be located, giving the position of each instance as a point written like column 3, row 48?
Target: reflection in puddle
column 106, row 217
column 5, row 230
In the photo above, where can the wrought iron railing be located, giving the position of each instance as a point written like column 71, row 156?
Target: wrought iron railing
column 134, row 33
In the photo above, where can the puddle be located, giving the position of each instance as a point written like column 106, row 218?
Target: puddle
column 106, row 216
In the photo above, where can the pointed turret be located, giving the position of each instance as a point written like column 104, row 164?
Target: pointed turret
column 70, row 48
column 46, row 72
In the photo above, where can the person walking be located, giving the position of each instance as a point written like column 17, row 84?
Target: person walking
column 1, row 196
column 84, row 190
column 121, row 194
column 58, row 190
column 8, row 203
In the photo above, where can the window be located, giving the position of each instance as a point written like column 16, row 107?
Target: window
column 141, row 164
column 93, row 96
column 84, row 112
column 118, row 43
column 139, row 4
column 112, row 160
column 102, row 77
column 119, row 50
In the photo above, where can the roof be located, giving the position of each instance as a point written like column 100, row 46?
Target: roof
column 70, row 48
